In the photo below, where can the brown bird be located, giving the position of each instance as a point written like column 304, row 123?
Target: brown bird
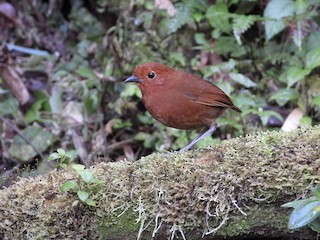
column 179, row 99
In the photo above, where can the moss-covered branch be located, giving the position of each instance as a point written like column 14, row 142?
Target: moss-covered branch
column 234, row 189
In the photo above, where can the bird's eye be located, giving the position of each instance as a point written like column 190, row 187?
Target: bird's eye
column 151, row 75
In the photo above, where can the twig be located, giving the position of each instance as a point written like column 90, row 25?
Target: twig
column 31, row 51
column 22, row 136
column 119, row 144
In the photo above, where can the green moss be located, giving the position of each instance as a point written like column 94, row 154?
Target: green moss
column 181, row 192
column 120, row 226
column 267, row 218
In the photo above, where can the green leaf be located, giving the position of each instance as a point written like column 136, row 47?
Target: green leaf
column 55, row 99
column 226, row 87
column 39, row 137
column 294, row 74
column 201, row 39
column 146, row 118
column 197, row 16
column 31, row 115
column 119, row 123
column 313, row 59
column 68, row 185
column 265, row 116
column 86, row 73
column 218, row 17
column 78, row 167
column 147, row 139
column 63, row 165
column 108, row 71
column 131, row 90
column 177, row 57
column 227, row 45
column 298, row 33
column 302, row 6
column 299, row 203
column 8, row 105
column 182, row 17
column 41, row 104
column 274, row 12
column 91, row 103
column 247, row 101
column 243, row 80
column 141, row 136
column 284, row 95
column 83, row 196
column 305, row 121
column 304, row 215
column 86, row 175
column 90, row 202
column 312, row 40
column 316, row 100
column 61, row 151
column 144, row 18
column 316, row 192
column 53, row 156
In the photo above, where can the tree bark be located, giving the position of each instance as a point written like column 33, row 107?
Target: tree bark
column 233, row 190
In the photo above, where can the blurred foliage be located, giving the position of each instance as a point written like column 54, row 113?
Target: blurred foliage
column 264, row 54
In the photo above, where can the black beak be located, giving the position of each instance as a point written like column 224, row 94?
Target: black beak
column 133, row 78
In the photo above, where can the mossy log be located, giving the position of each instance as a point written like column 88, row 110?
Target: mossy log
column 233, row 190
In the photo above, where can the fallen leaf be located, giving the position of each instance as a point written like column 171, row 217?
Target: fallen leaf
column 15, row 83
column 128, row 152
column 73, row 112
column 293, row 120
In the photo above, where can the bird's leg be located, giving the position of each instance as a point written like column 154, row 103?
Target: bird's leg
column 212, row 128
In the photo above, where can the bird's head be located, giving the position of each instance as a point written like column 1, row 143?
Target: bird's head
column 150, row 74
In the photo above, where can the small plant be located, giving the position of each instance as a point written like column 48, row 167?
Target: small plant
column 84, row 186
column 63, row 158
column 89, row 184
column 306, row 212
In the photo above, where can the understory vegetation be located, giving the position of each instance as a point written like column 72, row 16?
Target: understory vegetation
column 63, row 64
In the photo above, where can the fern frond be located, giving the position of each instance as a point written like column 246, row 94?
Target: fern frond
column 241, row 24
column 183, row 16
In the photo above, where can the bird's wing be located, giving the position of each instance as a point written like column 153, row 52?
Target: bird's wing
column 216, row 100
column 203, row 92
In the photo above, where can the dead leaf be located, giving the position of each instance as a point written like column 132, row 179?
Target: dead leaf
column 99, row 141
column 293, row 120
column 80, row 147
column 108, row 127
column 166, row 5
column 16, row 85
column 73, row 112
column 128, row 152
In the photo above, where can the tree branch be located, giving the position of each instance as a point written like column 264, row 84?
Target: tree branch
column 232, row 190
